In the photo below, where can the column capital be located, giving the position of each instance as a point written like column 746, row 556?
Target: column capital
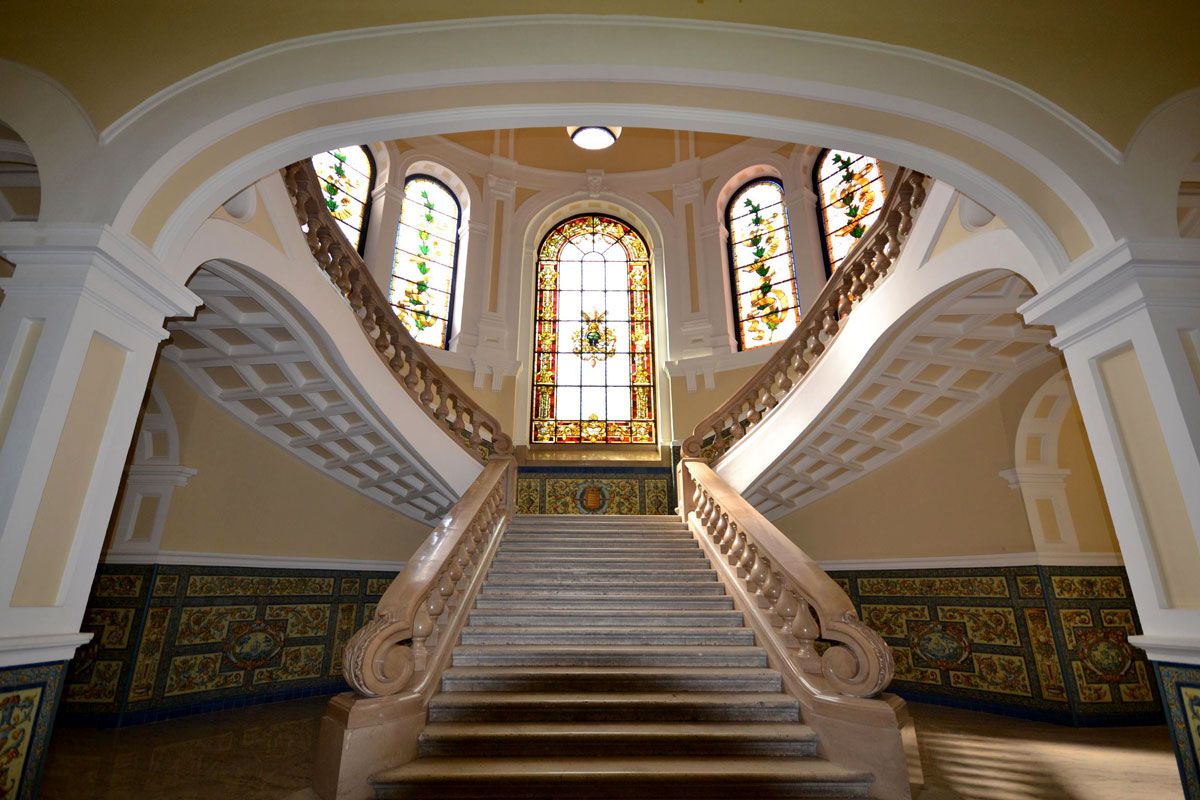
column 95, row 262
column 1108, row 285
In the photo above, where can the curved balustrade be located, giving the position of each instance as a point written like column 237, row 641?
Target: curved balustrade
column 468, row 424
column 862, row 270
column 794, row 602
column 404, row 647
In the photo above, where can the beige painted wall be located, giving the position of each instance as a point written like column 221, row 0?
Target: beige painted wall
column 1085, row 496
column 945, row 497
column 250, row 496
column 688, row 408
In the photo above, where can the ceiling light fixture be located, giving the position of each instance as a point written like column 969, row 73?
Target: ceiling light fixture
column 594, row 137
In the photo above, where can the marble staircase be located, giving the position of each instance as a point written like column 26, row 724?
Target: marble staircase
column 603, row 658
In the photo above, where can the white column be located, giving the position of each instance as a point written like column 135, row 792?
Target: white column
column 1128, row 323
column 386, row 203
column 79, row 330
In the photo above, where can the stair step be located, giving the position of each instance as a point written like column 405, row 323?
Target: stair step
column 546, row 589
column 567, row 538
column 625, row 778
column 615, row 679
column 611, row 739
column 612, row 707
column 609, row 656
column 694, row 560
column 602, row 617
column 508, row 571
column 496, row 634
column 565, row 600
column 538, row 550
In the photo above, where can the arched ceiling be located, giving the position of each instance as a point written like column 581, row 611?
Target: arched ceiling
column 1108, row 62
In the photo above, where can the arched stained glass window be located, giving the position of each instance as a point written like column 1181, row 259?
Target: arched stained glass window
column 425, row 259
column 347, row 176
column 850, row 192
column 593, row 376
column 765, row 306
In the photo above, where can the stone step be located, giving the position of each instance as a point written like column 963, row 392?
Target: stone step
column 623, row 561
column 520, row 601
column 495, row 634
column 557, row 538
column 599, row 550
column 608, row 656
column 603, row 617
column 619, row 778
column 612, row 707
column 612, row 739
column 501, row 572
column 548, row 590
column 614, row 679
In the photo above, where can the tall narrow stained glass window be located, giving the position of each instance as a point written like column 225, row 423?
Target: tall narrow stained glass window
column 763, row 279
column 593, row 376
column 347, row 177
column 426, row 259
column 850, row 192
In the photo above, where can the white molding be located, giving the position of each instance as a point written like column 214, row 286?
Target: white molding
column 16, row 651
column 191, row 559
column 1030, row 559
column 1168, row 649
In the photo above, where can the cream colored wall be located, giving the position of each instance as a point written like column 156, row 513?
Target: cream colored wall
column 499, row 404
column 953, row 232
column 249, row 496
column 1085, row 496
column 688, row 408
column 945, row 497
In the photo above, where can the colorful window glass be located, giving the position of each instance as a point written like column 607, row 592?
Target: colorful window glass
column 765, row 306
column 593, row 376
column 347, row 176
column 850, row 191
column 425, row 259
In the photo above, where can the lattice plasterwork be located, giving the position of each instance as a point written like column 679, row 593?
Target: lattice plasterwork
column 958, row 354
column 259, row 365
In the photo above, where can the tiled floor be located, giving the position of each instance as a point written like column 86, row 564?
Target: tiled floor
column 266, row 752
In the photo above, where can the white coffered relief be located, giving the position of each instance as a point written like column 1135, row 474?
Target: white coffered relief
column 251, row 355
column 959, row 353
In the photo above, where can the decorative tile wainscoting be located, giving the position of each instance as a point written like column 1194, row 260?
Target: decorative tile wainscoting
column 1180, row 685
column 595, row 490
column 174, row 640
column 29, row 697
column 1040, row 642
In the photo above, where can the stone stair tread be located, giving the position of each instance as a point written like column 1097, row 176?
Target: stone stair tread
column 589, row 768
column 784, row 731
column 601, row 616
column 600, row 699
column 607, row 602
column 613, row 677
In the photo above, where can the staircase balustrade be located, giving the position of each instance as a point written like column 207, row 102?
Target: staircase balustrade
column 407, row 644
column 861, row 271
column 805, row 617
column 447, row 404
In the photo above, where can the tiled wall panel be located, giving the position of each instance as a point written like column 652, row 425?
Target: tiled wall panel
column 180, row 639
column 1043, row 642
column 1180, row 684
column 29, row 697
column 594, row 490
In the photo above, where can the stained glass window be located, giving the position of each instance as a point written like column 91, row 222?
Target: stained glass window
column 593, row 376
column 850, row 191
column 347, row 177
column 425, row 259
column 765, row 306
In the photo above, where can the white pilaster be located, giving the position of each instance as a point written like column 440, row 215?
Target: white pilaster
column 72, row 286
column 1142, row 299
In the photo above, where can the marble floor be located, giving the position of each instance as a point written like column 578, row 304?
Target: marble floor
column 266, row 752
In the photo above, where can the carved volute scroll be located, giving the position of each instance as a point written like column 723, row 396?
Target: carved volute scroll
column 792, row 597
column 468, row 424
column 862, row 270
column 398, row 650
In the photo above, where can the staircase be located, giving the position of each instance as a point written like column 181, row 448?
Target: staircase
column 603, row 658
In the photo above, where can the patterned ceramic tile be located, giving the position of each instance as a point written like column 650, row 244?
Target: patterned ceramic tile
column 1180, row 685
column 197, row 637
column 29, row 698
column 1048, row 642
column 598, row 490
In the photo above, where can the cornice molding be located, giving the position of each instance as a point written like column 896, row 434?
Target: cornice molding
column 251, row 561
column 1044, row 559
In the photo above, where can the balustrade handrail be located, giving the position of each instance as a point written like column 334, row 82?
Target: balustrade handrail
column 434, row 391
column 405, row 645
column 862, row 269
column 795, row 602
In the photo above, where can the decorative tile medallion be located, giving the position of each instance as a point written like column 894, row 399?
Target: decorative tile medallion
column 29, row 697
column 594, row 490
